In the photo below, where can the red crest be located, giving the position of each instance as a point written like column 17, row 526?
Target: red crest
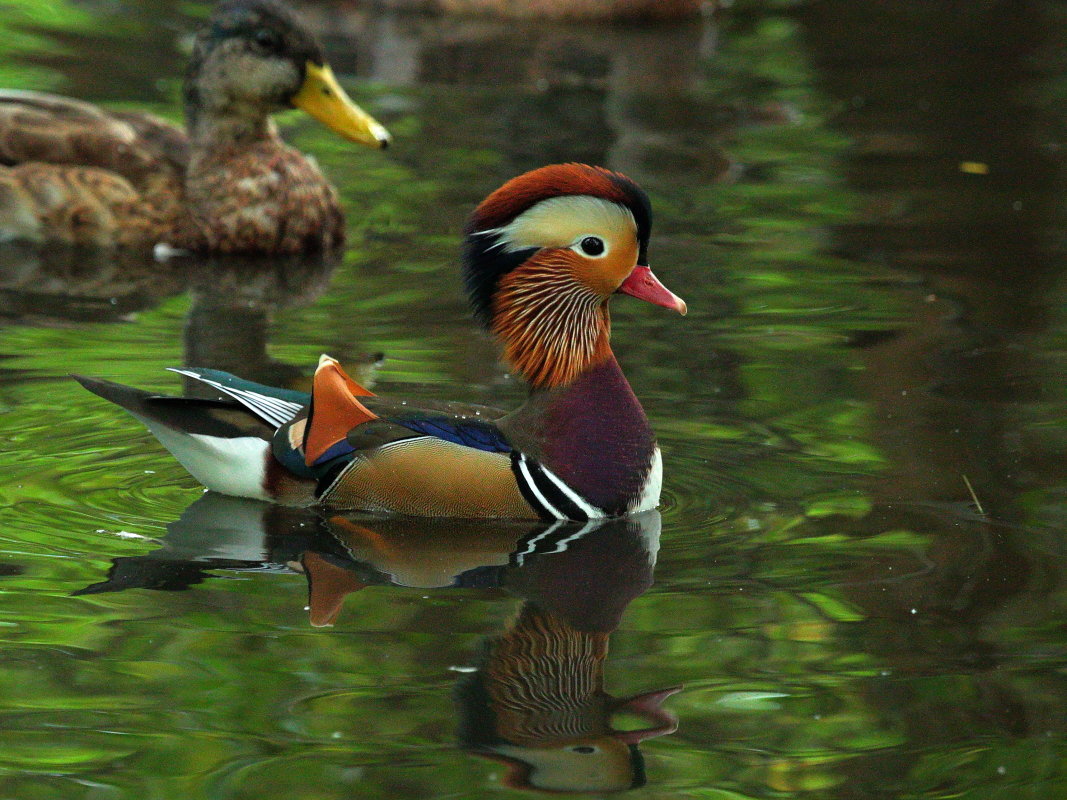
column 525, row 191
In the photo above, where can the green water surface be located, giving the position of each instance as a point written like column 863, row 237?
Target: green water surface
column 859, row 574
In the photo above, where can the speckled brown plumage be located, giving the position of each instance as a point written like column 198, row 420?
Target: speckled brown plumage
column 74, row 173
column 78, row 175
column 265, row 197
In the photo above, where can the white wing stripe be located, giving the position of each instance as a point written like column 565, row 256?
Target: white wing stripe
column 274, row 410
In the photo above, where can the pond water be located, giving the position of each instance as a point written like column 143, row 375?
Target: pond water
column 858, row 576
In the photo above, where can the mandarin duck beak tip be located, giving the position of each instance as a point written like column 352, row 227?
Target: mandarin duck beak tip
column 644, row 285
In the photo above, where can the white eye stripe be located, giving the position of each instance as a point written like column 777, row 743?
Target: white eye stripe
column 564, row 222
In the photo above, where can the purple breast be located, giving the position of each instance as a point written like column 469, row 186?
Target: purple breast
column 598, row 439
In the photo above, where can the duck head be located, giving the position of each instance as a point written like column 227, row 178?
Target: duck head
column 606, row 761
column 544, row 254
column 253, row 58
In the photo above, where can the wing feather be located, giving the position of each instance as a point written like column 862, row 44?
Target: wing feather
column 72, row 172
column 47, row 128
column 430, row 477
column 273, row 410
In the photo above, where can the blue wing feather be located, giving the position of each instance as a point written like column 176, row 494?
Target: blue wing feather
column 468, row 432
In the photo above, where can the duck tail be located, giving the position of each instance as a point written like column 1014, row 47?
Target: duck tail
column 220, row 442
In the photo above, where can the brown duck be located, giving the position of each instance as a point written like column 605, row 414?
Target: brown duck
column 73, row 173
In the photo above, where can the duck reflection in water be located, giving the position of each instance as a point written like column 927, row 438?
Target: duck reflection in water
column 233, row 302
column 536, row 701
column 534, row 698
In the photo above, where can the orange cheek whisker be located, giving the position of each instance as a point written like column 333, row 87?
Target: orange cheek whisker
column 552, row 323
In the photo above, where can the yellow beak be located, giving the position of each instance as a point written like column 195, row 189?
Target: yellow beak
column 322, row 97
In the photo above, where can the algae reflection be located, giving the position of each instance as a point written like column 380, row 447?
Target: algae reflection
column 534, row 697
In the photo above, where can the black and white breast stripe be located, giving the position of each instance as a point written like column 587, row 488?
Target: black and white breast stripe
column 272, row 410
column 550, row 497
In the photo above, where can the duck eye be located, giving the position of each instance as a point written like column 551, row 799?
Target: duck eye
column 592, row 246
column 267, row 40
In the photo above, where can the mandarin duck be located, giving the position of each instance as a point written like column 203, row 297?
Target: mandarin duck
column 543, row 256
column 73, row 173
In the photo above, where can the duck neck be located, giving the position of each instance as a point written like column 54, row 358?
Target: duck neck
column 216, row 119
column 592, row 433
column 235, row 129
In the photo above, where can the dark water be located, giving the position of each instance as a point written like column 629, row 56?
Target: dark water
column 858, row 577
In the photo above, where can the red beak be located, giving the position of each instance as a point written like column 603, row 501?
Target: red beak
column 643, row 285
